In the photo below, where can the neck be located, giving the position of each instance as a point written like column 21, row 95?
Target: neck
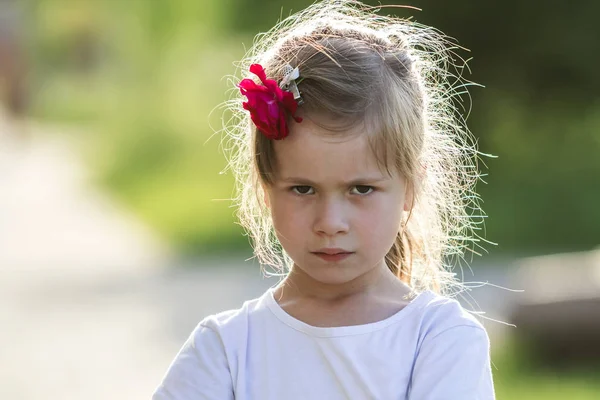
column 299, row 285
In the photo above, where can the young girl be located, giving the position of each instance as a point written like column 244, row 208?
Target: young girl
column 355, row 181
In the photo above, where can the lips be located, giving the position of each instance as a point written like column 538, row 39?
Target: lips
column 332, row 251
column 332, row 255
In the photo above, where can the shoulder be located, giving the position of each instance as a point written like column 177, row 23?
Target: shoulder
column 445, row 312
column 233, row 322
column 441, row 316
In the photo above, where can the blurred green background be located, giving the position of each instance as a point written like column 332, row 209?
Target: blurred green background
column 143, row 77
column 139, row 79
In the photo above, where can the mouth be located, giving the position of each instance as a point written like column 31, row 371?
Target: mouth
column 331, row 257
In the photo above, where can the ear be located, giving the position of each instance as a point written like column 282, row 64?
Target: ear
column 409, row 198
column 410, row 193
column 266, row 196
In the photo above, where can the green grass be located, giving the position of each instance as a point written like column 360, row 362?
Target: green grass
column 517, row 375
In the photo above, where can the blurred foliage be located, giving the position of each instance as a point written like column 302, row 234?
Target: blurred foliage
column 143, row 77
column 143, row 84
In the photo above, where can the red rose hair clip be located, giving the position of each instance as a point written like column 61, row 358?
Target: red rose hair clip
column 268, row 103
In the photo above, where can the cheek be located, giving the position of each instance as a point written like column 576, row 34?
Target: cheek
column 381, row 221
column 288, row 217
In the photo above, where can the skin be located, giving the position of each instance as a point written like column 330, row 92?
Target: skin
column 329, row 192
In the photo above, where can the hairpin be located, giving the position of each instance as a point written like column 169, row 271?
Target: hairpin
column 289, row 82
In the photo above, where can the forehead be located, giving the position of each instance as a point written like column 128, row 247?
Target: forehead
column 315, row 153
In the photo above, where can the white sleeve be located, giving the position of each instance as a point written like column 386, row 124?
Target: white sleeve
column 453, row 365
column 199, row 371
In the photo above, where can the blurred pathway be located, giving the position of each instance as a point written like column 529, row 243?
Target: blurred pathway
column 50, row 219
column 91, row 305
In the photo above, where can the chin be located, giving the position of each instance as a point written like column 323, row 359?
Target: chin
column 332, row 273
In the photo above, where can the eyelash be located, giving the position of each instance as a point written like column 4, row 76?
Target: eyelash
column 293, row 189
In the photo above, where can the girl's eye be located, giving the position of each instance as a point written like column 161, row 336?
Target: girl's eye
column 302, row 190
column 306, row 190
column 363, row 190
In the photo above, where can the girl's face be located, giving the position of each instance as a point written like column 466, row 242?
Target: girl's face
column 329, row 195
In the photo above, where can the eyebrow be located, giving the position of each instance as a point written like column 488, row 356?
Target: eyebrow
column 358, row 181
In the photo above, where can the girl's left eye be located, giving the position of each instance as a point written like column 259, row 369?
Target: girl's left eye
column 363, row 190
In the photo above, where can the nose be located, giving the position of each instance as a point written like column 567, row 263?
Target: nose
column 331, row 217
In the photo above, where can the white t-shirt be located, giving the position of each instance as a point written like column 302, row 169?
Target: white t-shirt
column 431, row 349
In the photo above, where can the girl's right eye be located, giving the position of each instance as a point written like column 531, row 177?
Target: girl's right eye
column 302, row 190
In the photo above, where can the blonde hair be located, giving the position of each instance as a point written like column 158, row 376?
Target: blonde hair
column 392, row 75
